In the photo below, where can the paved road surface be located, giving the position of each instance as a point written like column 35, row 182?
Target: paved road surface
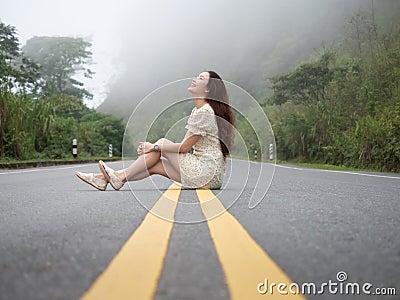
column 59, row 235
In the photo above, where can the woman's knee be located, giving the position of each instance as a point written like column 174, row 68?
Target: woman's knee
column 163, row 141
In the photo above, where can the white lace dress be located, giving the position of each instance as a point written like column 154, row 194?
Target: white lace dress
column 205, row 167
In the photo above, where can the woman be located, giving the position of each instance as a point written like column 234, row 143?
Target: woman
column 210, row 134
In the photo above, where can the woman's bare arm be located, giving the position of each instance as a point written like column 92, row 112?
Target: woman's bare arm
column 166, row 145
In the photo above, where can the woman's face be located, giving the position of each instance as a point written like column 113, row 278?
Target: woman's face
column 198, row 88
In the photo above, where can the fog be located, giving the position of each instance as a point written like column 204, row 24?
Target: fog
column 244, row 41
column 142, row 45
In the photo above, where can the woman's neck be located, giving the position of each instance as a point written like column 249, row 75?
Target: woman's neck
column 199, row 102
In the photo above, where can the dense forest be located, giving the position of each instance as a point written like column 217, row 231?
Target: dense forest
column 41, row 104
column 343, row 108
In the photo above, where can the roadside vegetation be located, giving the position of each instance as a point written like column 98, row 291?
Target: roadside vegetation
column 41, row 104
column 343, row 108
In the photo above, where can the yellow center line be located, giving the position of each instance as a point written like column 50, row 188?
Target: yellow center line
column 135, row 270
column 244, row 262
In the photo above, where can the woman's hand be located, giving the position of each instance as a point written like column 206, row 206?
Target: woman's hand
column 145, row 147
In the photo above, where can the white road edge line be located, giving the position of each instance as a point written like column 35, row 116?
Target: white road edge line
column 342, row 172
column 50, row 169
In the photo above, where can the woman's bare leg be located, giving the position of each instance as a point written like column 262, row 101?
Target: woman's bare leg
column 142, row 164
column 149, row 164
column 163, row 167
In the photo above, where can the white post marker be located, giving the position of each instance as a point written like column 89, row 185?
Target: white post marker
column 110, row 150
column 255, row 154
column 271, row 151
column 75, row 148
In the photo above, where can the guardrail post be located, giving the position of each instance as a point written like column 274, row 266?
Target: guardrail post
column 271, row 151
column 110, row 154
column 75, row 148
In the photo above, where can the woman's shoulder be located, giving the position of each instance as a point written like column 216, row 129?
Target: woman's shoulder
column 206, row 108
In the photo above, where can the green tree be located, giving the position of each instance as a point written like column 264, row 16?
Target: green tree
column 16, row 70
column 60, row 58
column 306, row 84
column 9, row 47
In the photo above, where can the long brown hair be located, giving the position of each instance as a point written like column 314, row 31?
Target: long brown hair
column 219, row 101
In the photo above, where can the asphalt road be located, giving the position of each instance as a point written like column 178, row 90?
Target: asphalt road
column 57, row 234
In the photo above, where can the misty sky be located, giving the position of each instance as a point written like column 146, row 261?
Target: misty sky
column 139, row 45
